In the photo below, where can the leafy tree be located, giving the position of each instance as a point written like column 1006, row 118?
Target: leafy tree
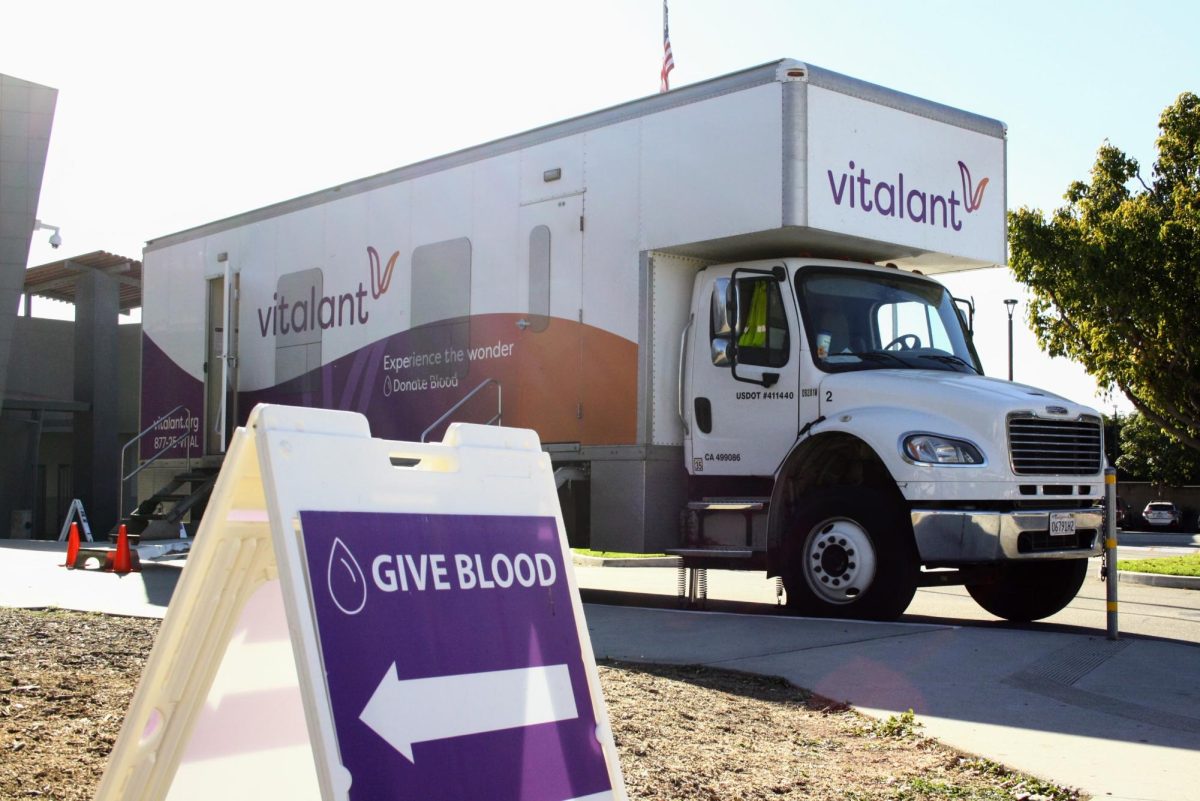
column 1149, row 454
column 1115, row 274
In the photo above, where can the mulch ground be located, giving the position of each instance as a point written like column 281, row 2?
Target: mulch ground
column 66, row 679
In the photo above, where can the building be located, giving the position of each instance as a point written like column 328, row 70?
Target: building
column 68, row 390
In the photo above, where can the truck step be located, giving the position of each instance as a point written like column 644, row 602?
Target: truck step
column 729, row 505
column 748, row 508
column 718, row 552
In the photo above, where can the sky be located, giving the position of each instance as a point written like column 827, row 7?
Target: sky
column 171, row 115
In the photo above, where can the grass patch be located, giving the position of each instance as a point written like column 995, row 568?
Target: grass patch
column 615, row 554
column 898, row 726
column 1170, row 566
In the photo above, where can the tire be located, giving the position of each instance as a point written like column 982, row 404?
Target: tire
column 1031, row 590
column 851, row 555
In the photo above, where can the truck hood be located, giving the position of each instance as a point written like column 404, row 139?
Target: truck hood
column 968, row 404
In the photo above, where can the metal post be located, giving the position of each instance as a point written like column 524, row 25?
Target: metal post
column 1010, row 304
column 1110, row 549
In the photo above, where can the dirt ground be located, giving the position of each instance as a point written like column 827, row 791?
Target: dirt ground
column 66, row 679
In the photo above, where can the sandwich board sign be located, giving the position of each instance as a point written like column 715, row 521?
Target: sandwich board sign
column 364, row 619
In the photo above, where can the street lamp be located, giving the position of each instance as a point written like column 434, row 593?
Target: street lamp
column 1011, row 304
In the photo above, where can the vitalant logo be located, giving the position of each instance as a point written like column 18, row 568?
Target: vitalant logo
column 972, row 195
column 381, row 279
column 869, row 194
column 291, row 315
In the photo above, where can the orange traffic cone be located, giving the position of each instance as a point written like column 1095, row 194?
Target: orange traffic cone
column 121, row 561
column 72, row 547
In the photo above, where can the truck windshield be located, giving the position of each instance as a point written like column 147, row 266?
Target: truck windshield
column 871, row 321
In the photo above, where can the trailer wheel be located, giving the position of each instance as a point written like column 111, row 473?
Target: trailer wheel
column 1030, row 590
column 853, row 556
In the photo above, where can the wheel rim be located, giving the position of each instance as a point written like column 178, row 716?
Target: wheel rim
column 839, row 561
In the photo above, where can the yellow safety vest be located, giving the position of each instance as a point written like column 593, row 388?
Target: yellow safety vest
column 755, row 333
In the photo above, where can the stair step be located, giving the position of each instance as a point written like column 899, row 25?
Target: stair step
column 196, row 475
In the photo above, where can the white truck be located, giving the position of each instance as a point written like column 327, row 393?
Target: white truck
column 712, row 306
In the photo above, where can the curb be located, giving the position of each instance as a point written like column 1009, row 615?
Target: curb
column 1160, row 580
column 599, row 561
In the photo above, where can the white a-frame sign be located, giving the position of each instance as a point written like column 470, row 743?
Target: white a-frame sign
column 363, row 619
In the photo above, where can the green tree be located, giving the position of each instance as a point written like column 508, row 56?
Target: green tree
column 1149, row 454
column 1115, row 274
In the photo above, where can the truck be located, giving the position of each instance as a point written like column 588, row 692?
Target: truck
column 715, row 306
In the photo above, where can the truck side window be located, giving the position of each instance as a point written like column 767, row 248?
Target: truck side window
column 764, row 338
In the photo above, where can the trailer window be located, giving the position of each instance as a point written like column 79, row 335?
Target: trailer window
column 441, row 281
column 296, row 322
column 539, row 278
column 441, row 304
column 764, row 339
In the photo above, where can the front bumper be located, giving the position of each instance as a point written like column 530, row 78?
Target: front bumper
column 948, row 536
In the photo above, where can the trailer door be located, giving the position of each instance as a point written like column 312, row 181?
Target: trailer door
column 220, row 362
column 548, row 397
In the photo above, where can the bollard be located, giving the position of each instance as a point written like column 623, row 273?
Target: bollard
column 1110, row 549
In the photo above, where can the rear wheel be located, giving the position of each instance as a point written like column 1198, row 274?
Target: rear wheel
column 853, row 556
column 1030, row 590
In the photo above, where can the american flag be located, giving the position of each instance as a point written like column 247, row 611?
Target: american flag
column 668, row 59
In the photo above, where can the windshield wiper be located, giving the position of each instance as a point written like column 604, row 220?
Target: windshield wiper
column 947, row 358
column 881, row 356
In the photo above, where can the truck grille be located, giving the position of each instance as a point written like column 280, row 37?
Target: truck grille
column 1055, row 447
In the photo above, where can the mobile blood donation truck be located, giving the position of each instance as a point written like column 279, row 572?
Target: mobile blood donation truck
column 714, row 307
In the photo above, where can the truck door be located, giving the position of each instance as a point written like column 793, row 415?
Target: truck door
column 549, row 346
column 742, row 420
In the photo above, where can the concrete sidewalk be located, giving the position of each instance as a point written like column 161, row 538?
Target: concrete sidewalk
column 1120, row 720
column 31, row 576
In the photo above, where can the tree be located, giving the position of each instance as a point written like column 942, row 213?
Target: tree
column 1150, row 455
column 1115, row 274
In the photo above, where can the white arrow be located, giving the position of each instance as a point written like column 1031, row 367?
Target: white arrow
column 420, row 710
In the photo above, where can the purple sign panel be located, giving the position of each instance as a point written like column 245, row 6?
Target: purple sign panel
column 452, row 657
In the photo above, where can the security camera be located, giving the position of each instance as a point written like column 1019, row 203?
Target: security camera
column 55, row 237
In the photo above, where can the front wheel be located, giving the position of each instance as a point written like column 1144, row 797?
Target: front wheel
column 1030, row 590
column 853, row 556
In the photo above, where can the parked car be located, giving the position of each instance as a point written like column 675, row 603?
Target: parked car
column 1162, row 514
column 1122, row 513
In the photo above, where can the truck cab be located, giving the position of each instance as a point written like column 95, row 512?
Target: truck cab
column 840, row 434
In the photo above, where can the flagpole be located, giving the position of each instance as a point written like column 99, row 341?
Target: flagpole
column 668, row 62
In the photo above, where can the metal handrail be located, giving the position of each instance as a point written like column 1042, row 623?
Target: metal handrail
column 682, row 362
column 186, row 433
column 498, row 419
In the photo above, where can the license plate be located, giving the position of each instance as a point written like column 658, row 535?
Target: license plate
column 1062, row 524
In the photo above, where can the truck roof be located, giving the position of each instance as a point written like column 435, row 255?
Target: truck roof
column 775, row 71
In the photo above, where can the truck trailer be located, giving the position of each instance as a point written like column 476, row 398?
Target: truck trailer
column 714, row 306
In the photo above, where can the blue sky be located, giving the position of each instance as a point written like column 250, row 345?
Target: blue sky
column 172, row 115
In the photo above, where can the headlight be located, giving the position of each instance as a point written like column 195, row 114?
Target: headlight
column 935, row 450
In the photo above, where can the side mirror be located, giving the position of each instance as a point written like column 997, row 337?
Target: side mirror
column 722, row 352
column 966, row 313
column 719, row 314
column 732, row 305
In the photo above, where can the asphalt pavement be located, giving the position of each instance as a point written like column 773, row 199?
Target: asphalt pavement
column 1118, row 719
